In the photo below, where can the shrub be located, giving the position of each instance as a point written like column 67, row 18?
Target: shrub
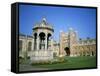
column 61, row 59
column 21, row 60
column 53, row 61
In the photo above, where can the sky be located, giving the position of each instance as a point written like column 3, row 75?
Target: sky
column 83, row 20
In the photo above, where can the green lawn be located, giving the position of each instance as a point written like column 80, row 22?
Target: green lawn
column 71, row 63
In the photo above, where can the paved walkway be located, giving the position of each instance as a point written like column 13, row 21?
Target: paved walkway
column 27, row 67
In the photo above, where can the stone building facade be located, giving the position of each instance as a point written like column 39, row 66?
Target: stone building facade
column 71, row 45
column 25, row 45
column 42, row 46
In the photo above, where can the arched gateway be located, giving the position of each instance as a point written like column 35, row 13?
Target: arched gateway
column 43, row 41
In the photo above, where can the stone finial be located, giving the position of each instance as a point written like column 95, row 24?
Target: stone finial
column 44, row 19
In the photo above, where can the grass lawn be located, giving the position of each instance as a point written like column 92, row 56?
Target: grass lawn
column 71, row 63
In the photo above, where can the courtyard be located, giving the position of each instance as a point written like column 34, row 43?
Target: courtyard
column 69, row 63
